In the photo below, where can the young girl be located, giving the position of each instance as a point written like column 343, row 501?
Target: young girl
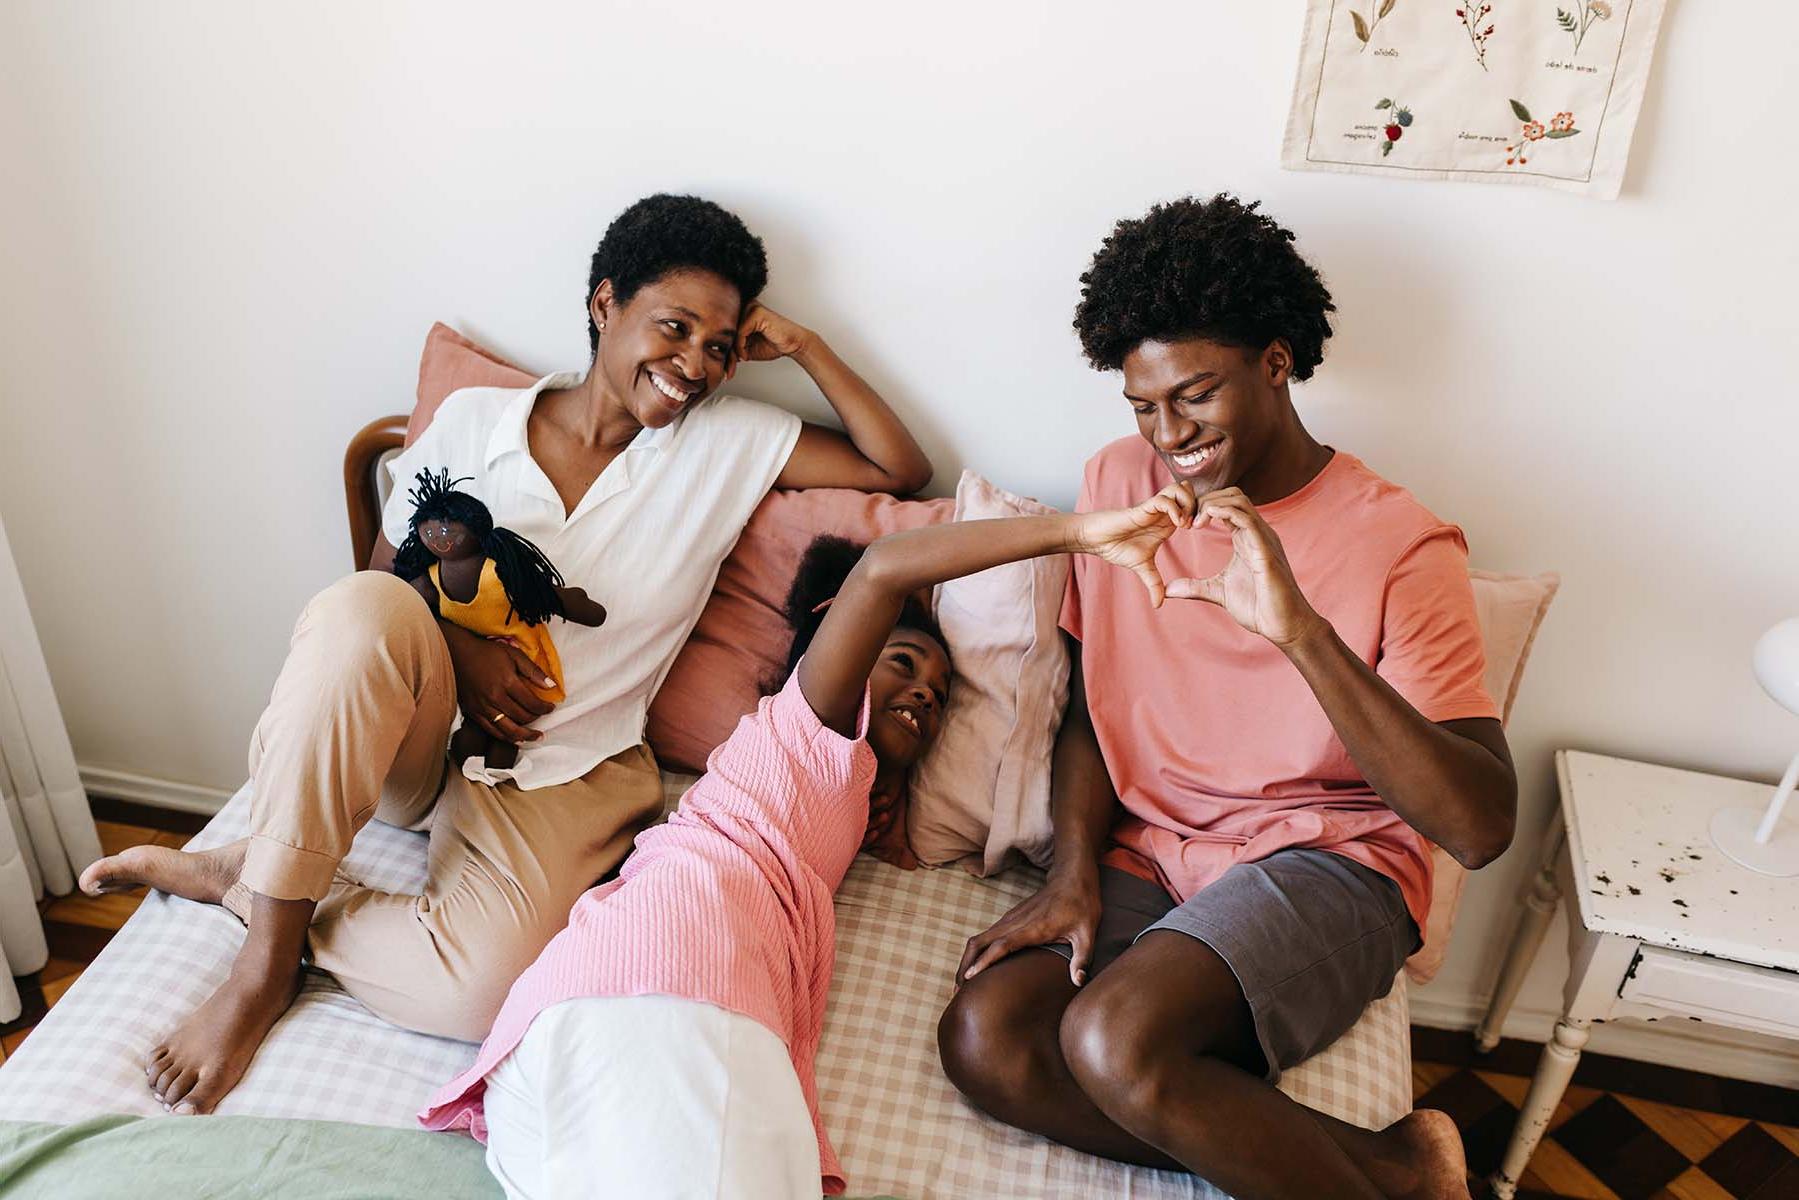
column 663, row 1043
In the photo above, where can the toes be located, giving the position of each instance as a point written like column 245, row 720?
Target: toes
column 165, row 1081
column 184, row 1083
column 205, row 1096
column 154, row 1064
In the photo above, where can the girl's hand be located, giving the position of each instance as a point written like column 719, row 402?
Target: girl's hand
column 765, row 335
column 1256, row 587
column 1130, row 537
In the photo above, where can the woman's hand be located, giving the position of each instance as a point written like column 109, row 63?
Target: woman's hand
column 496, row 685
column 1066, row 909
column 1130, row 537
column 764, row 335
column 1256, row 587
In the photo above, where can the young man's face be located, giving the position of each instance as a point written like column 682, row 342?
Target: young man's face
column 1209, row 409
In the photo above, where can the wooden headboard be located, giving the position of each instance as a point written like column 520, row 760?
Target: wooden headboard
column 362, row 483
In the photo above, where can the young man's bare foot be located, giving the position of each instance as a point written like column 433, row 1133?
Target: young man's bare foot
column 1422, row 1159
column 204, row 875
column 206, row 1056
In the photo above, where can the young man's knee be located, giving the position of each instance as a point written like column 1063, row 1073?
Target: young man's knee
column 989, row 1051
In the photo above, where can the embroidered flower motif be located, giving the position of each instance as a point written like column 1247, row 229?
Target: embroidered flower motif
column 1529, row 130
column 1561, row 121
column 1533, row 130
column 1600, row 9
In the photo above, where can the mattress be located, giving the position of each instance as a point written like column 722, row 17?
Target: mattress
column 898, row 1125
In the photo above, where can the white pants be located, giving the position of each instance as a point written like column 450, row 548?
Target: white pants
column 649, row 1096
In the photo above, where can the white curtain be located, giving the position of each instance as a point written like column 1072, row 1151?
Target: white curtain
column 48, row 836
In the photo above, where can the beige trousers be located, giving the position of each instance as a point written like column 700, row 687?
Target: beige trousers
column 357, row 728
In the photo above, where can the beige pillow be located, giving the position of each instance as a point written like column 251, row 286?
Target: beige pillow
column 1510, row 608
column 982, row 792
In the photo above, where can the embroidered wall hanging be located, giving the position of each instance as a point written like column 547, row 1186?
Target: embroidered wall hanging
column 1496, row 91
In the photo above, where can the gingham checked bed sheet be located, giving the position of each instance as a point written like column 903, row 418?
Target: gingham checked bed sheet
column 899, row 1126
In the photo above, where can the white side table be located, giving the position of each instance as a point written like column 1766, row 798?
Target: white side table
column 1660, row 923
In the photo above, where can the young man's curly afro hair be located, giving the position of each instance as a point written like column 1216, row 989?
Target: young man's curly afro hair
column 1214, row 268
column 664, row 233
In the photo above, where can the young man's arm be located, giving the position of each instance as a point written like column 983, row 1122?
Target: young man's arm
column 1451, row 781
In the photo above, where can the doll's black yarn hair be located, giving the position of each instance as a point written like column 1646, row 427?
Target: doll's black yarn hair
column 530, row 579
column 823, row 569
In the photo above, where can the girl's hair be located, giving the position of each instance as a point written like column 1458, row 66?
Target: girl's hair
column 823, row 568
column 530, row 579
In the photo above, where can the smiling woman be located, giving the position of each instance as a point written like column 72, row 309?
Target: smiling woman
column 634, row 480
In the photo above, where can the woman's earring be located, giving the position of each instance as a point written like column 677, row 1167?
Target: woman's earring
column 602, row 327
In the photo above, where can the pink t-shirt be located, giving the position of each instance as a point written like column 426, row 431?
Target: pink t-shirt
column 1216, row 746
column 729, row 902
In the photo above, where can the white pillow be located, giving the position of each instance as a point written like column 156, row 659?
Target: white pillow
column 982, row 792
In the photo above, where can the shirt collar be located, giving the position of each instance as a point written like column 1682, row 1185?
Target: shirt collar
column 509, row 432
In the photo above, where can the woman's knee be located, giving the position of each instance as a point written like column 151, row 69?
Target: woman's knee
column 364, row 608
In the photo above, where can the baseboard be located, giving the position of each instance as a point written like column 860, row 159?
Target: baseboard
column 158, row 793
column 1689, row 1045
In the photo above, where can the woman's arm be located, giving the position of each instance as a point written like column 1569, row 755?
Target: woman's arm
column 1453, row 782
column 834, row 672
column 874, row 453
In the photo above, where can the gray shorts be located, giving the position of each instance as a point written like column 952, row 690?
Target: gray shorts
column 1312, row 937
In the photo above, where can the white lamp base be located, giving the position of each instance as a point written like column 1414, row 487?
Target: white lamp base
column 1733, row 832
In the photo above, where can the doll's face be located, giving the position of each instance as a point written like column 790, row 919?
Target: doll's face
column 448, row 540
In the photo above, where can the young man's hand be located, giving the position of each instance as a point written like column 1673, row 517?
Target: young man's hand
column 1256, row 587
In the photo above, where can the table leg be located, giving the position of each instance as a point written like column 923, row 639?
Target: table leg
column 1539, row 907
column 1599, row 964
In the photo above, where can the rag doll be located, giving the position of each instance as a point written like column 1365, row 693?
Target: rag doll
column 491, row 582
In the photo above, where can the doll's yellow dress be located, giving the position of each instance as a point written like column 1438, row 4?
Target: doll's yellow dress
column 490, row 615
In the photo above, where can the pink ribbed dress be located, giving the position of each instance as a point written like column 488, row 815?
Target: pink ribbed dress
column 729, row 903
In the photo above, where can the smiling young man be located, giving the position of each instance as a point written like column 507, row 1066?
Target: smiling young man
column 1250, row 774
column 635, row 479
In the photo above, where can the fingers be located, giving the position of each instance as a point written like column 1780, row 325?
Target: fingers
column 528, row 670
column 1209, row 589
column 1080, row 945
column 1152, row 581
column 509, row 729
column 989, row 954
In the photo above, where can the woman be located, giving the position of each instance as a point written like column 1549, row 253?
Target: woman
column 663, row 1044
column 635, row 480
column 1247, row 781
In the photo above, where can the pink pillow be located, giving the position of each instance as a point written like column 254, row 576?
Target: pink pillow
column 1510, row 608
column 742, row 638
column 451, row 362
column 982, row 793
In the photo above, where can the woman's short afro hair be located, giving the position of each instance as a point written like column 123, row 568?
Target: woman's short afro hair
column 664, row 233
column 1214, row 268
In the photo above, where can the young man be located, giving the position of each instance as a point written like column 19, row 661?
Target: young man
column 1250, row 773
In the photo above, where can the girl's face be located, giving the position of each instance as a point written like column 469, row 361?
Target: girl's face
column 906, row 693
column 448, row 540
column 1210, row 410
column 670, row 347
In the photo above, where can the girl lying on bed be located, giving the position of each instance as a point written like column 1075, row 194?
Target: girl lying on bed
column 663, row 1043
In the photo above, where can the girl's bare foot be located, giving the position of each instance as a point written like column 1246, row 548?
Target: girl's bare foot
column 1422, row 1159
column 206, row 1056
column 204, row 875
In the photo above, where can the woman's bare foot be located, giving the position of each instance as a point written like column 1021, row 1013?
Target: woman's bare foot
column 206, row 1056
column 1421, row 1159
column 204, row 875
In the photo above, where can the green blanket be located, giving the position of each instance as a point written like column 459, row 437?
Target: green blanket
column 228, row 1158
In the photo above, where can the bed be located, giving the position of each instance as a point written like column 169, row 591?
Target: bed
column 899, row 1126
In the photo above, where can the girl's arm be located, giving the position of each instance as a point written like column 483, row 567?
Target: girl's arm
column 874, row 453
column 834, row 672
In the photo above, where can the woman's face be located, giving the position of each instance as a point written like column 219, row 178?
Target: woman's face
column 1209, row 409
column 906, row 693
column 670, row 346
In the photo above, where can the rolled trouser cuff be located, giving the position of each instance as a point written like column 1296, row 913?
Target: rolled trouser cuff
column 283, row 872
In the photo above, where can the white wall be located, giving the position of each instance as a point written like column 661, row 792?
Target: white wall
column 226, row 228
